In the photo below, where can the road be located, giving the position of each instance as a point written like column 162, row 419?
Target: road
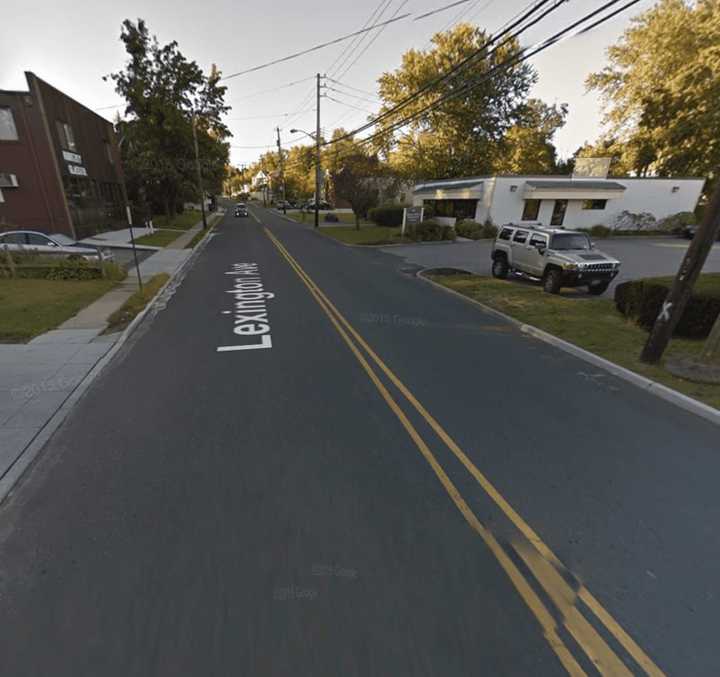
column 640, row 256
column 399, row 484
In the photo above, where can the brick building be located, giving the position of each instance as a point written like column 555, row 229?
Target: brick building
column 60, row 169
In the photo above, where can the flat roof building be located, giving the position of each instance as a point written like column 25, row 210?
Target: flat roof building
column 60, row 168
column 570, row 202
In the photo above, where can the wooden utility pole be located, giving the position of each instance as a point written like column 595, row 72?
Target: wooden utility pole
column 282, row 170
column 199, row 171
column 676, row 301
column 318, row 169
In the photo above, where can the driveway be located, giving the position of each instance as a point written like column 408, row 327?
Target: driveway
column 641, row 257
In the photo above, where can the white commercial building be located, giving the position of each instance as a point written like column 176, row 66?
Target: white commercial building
column 570, row 202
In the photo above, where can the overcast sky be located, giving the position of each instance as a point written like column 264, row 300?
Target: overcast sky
column 73, row 45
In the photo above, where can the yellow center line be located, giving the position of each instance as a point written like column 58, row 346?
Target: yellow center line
column 642, row 659
column 524, row 589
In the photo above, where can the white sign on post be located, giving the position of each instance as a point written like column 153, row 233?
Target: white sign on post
column 412, row 216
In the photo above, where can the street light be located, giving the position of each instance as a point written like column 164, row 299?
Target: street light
column 316, row 138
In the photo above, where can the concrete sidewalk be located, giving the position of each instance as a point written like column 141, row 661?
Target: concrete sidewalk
column 37, row 377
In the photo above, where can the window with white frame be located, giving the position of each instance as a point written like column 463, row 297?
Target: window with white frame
column 66, row 136
column 8, row 130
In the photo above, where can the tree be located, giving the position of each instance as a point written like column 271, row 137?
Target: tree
column 464, row 135
column 355, row 180
column 661, row 88
column 165, row 95
column 527, row 146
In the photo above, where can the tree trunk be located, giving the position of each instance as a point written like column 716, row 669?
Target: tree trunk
column 711, row 350
column 357, row 221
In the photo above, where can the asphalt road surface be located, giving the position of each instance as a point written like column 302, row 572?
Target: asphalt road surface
column 372, row 477
column 640, row 256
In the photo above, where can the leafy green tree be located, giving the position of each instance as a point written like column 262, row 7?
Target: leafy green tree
column 165, row 96
column 527, row 145
column 464, row 135
column 354, row 179
column 661, row 90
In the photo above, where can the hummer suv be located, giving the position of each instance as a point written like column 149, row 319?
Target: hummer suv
column 558, row 257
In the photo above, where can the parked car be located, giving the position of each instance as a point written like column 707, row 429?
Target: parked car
column 57, row 244
column 558, row 257
column 310, row 205
column 241, row 209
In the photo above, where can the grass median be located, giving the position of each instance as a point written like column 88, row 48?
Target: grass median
column 160, row 238
column 590, row 323
column 124, row 315
column 30, row 307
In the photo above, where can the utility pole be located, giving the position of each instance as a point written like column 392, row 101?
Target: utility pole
column 676, row 301
column 282, row 170
column 199, row 171
column 318, row 169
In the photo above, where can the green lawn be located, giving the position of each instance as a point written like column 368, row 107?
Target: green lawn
column 366, row 234
column 591, row 323
column 32, row 307
column 124, row 315
column 183, row 221
column 160, row 238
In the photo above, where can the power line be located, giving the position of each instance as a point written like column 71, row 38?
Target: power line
column 353, row 96
column 312, row 49
column 375, row 37
column 523, row 56
column 356, row 89
column 354, row 40
column 274, row 89
column 261, row 117
column 349, row 105
column 440, row 9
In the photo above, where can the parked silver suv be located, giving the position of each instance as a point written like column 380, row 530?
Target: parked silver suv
column 558, row 257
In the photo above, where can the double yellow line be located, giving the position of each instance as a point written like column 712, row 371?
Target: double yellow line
column 545, row 566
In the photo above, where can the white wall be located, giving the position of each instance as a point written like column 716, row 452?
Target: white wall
column 641, row 195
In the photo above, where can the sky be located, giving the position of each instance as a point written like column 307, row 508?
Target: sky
column 73, row 45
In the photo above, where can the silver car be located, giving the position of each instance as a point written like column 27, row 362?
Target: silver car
column 31, row 241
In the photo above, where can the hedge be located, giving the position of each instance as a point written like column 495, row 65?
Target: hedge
column 388, row 216
column 476, row 231
column 430, row 231
column 641, row 300
column 44, row 268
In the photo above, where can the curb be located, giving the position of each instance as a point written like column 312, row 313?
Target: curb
column 31, row 451
column 648, row 385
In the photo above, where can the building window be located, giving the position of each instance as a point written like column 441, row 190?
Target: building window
column 109, row 153
column 513, row 189
column 8, row 130
column 594, row 204
column 460, row 209
column 66, row 136
column 531, row 210
column 675, row 189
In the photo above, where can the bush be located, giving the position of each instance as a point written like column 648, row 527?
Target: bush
column 388, row 216
column 676, row 222
column 29, row 266
column 431, row 231
column 476, row 231
column 641, row 300
column 331, row 218
column 600, row 231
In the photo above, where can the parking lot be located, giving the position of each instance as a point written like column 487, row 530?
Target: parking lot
column 640, row 256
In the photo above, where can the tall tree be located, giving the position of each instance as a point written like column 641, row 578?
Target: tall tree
column 661, row 89
column 355, row 179
column 527, row 146
column 464, row 135
column 165, row 95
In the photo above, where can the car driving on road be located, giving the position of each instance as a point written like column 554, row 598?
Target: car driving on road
column 241, row 209
column 558, row 257
column 31, row 241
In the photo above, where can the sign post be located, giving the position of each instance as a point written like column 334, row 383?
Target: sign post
column 412, row 216
column 132, row 240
